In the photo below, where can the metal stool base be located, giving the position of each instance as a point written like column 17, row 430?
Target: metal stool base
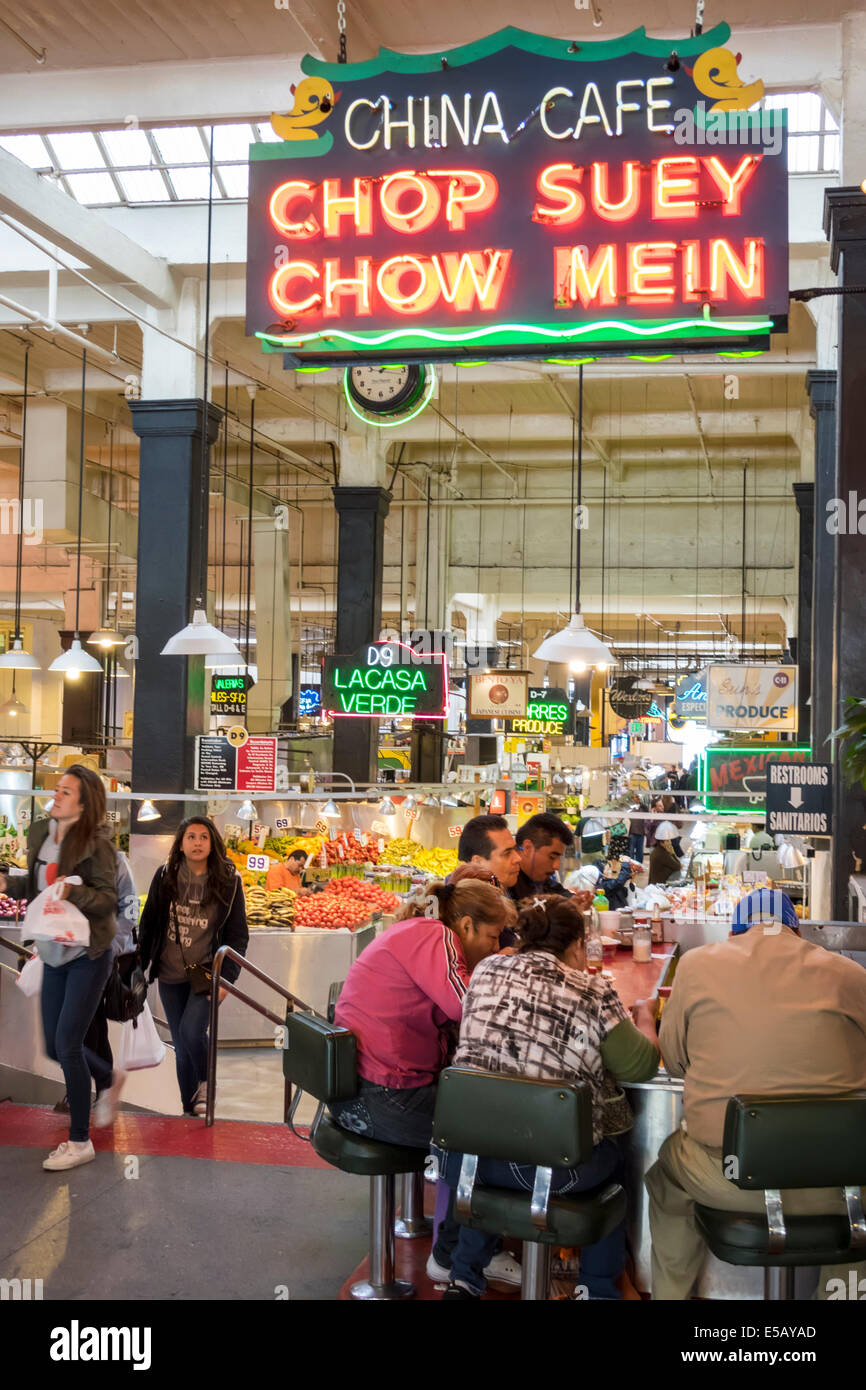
column 411, row 1227
column 383, row 1293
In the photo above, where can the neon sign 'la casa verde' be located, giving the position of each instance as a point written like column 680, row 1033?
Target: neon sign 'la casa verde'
column 516, row 196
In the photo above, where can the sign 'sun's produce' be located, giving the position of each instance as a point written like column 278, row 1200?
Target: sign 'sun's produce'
column 518, row 193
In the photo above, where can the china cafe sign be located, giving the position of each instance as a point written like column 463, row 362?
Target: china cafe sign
column 519, row 196
column 386, row 680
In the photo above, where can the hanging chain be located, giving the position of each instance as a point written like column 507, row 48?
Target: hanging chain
column 342, row 57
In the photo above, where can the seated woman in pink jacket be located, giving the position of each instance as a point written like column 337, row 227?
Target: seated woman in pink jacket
column 401, row 999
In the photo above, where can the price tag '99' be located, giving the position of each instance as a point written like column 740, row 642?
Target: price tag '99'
column 258, row 863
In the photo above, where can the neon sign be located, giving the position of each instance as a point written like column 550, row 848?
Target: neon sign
column 386, row 680
column 517, row 193
column 548, row 711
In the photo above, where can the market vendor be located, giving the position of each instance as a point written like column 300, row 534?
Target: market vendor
column 541, row 843
column 763, row 1013
column 664, row 865
column 289, row 873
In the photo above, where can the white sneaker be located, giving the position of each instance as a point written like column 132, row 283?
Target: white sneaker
column 199, row 1103
column 502, row 1269
column 69, row 1154
column 105, row 1109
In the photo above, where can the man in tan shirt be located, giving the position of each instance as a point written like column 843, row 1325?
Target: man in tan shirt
column 763, row 1013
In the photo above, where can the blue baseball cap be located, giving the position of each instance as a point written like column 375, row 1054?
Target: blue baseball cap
column 764, row 905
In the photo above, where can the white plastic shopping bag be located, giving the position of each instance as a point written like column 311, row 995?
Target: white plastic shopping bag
column 140, row 1044
column 30, row 980
column 51, row 916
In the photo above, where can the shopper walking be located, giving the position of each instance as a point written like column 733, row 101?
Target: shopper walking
column 96, row 1037
column 74, row 843
column 195, row 905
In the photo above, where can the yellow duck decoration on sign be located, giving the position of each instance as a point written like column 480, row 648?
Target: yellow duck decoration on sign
column 715, row 75
column 315, row 99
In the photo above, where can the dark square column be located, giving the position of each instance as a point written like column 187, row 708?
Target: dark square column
column 821, row 386
column 805, row 497
column 169, row 690
column 845, row 226
column 362, row 512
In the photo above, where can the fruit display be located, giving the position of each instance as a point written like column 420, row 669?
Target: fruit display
column 11, row 908
column 330, row 911
column 358, row 890
column 347, row 850
column 437, row 861
column 266, row 909
column 399, row 852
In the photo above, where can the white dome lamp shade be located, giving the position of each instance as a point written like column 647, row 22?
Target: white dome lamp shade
column 73, row 662
column 17, row 659
column 201, row 638
column 106, row 638
column 13, row 708
column 575, row 646
column 148, row 812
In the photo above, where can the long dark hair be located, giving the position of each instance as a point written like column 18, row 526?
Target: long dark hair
column 91, row 822
column 220, row 869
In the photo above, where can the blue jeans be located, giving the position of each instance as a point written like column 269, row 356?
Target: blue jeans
column 187, row 1016
column 600, row 1264
column 392, row 1116
column 70, row 997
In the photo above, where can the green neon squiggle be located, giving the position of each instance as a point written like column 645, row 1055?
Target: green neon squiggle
column 403, row 419
column 434, row 335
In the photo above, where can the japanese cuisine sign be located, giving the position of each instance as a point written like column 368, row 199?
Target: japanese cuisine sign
column 519, row 195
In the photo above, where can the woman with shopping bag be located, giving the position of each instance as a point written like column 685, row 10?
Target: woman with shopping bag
column 194, row 906
column 71, row 856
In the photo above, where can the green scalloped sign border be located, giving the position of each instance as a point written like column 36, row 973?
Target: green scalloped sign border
column 593, row 51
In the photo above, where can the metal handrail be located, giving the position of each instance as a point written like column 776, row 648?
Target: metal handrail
column 227, row 953
column 17, row 947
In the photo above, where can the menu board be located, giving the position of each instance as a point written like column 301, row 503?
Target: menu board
column 221, row 767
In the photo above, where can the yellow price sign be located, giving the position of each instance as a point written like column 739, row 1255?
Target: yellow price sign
column 237, row 735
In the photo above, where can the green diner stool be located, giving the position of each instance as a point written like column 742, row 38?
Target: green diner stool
column 544, row 1123
column 782, row 1142
column 321, row 1058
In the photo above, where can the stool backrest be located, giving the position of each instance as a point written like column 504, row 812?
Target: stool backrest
column 546, row 1123
column 796, row 1141
column 320, row 1058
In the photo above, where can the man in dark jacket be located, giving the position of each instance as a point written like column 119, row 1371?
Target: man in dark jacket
column 541, row 843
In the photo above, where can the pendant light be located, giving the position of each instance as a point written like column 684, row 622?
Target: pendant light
column 72, row 662
column 16, row 657
column 575, row 646
column 147, row 811
column 200, row 637
column 330, row 810
column 14, row 708
column 247, row 811
column 107, row 637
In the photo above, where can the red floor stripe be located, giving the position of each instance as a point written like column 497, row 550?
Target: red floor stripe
column 228, row 1141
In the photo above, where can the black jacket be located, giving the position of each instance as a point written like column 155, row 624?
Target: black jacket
column 231, row 929
column 525, row 888
column 96, row 896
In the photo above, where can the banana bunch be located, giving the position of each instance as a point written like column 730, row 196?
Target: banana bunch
column 398, row 852
column 439, row 862
column 266, row 909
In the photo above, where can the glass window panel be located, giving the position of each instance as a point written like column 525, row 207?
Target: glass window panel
column 180, row 144
column 831, row 153
column 144, row 186
column 30, row 149
column 267, row 132
column 805, row 112
column 192, row 183
column 127, row 147
column 77, row 150
column 231, row 142
column 93, row 188
column 803, row 154
column 235, row 179
column 776, row 101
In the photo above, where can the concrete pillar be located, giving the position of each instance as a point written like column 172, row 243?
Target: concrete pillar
column 853, row 122
column 273, row 624
column 845, row 226
column 169, row 691
column 804, row 494
column 821, row 386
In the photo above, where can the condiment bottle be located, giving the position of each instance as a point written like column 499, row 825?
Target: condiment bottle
column 594, row 946
column 641, row 945
column 656, row 930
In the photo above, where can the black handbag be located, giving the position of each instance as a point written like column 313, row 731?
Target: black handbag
column 126, row 992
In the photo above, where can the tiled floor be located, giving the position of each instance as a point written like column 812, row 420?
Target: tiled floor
column 250, row 1086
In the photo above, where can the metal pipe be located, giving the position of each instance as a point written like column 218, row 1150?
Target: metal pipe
column 382, row 1286
column 412, row 1222
column 50, row 326
column 535, row 1277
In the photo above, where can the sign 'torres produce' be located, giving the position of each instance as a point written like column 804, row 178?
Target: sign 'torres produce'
column 519, row 196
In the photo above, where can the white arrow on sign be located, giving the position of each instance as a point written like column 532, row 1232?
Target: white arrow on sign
column 796, row 797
